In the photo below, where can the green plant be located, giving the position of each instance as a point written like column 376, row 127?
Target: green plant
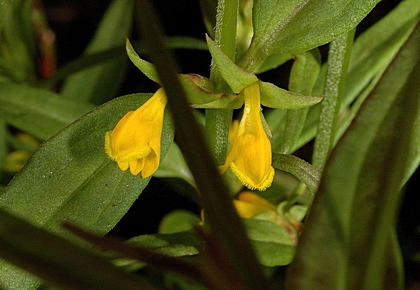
column 361, row 107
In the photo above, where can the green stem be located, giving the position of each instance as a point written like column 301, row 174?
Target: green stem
column 338, row 59
column 218, row 120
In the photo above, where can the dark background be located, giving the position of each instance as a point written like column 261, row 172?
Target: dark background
column 74, row 22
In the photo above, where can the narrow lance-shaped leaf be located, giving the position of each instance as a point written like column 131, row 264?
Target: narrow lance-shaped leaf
column 351, row 223
column 70, row 174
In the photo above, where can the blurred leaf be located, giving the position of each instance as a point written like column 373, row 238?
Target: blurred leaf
column 38, row 112
column 70, row 177
column 208, row 10
column 178, row 221
column 305, row 172
column 101, row 83
column 298, row 25
column 351, row 223
column 17, row 42
column 57, row 261
column 3, row 143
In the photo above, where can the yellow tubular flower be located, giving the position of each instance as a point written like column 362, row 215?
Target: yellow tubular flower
column 135, row 141
column 250, row 155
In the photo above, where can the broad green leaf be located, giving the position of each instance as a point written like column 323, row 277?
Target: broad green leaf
column 275, row 97
column 305, row 172
column 38, row 112
column 236, row 77
column 303, row 75
column 101, row 83
column 58, row 261
column 352, row 221
column 298, row 25
column 70, row 177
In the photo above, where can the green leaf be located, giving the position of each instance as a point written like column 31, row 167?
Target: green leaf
column 298, row 25
column 101, row 83
column 371, row 53
column 147, row 68
column 338, row 60
column 236, row 77
column 272, row 62
column 299, row 168
column 275, row 97
column 70, row 175
column 304, row 73
column 17, row 42
column 92, row 59
column 58, row 261
column 173, row 165
column 227, row 229
column 178, row 221
column 352, row 221
column 38, row 112
column 272, row 243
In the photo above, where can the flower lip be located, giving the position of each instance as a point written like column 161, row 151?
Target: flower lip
column 136, row 139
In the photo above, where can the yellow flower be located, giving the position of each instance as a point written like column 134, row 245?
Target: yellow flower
column 135, row 141
column 250, row 155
